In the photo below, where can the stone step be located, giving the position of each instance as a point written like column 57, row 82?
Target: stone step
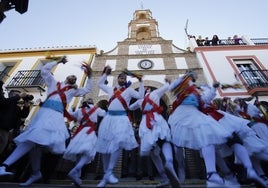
column 123, row 183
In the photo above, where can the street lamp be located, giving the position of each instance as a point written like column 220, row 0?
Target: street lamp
column 20, row 6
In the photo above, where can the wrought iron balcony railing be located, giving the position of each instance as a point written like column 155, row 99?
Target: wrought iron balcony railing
column 260, row 41
column 232, row 42
column 238, row 41
column 27, row 80
column 256, row 81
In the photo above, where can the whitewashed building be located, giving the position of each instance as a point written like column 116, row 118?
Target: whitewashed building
column 20, row 69
column 244, row 63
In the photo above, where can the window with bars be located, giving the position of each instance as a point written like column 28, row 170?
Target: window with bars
column 29, row 80
column 251, row 73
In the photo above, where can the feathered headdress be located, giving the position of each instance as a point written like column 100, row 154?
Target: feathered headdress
column 87, row 69
column 182, row 85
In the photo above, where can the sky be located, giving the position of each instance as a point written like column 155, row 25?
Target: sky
column 103, row 23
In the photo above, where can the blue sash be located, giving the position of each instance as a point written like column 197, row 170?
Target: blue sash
column 117, row 113
column 54, row 105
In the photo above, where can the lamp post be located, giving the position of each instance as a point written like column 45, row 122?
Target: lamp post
column 20, row 6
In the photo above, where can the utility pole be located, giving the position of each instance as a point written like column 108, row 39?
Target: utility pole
column 186, row 27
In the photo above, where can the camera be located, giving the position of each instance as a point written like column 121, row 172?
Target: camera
column 28, row 98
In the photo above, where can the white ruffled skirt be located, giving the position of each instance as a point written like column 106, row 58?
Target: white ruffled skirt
column 251, row 141
column 115, row 132
column 48, row 129
column 81, row 144
column 192, row 129
column 149, row 137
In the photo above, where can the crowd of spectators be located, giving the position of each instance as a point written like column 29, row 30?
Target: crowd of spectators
column 215, row 40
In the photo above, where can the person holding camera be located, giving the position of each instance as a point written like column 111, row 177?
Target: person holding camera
column 15, row 113
column 47, row 128
column 11, row 116
column 23, row 109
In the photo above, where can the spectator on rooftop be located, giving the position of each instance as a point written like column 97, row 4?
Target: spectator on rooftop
column 207, row 42
column 200, row 41
column 215, row 40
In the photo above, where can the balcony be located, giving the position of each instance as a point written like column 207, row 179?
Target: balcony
column 243, row 41
column 256, row 81
column 27, row 81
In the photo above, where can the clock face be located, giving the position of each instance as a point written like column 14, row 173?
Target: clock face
column 145, row 64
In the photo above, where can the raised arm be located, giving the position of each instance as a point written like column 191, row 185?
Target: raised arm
column 135, row 105
column 46, row 70
column 102, row 81
column 161, row 91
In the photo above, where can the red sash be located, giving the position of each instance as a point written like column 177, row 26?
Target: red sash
column 192, row 90
column 150, row 114
column 86, row 122
column 117, row 95
column 212, row 111
column 253, row 119
column 244, row 115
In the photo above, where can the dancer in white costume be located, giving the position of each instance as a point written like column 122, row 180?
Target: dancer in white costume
column 244, row 142
column 154, row 133
column 82, row 146
column 115, row 131
column 256, row 142
column 47, row 128
column 190, row 128
column 251, row 112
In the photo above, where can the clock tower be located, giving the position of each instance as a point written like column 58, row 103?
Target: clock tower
column 143, row 26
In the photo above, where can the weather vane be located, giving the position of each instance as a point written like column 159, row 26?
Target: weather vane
column 141, row 5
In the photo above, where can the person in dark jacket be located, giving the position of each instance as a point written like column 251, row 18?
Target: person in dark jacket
column 11, row 114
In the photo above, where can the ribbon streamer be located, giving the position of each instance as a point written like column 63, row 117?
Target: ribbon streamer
column 52, row 57
column 135, row 75
column 233, row 86
column 86, row 67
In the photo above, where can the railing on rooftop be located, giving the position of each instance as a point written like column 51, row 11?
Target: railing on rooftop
column 27, row 80
column 222, row 42
column 260, row 41
column 232, row 42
